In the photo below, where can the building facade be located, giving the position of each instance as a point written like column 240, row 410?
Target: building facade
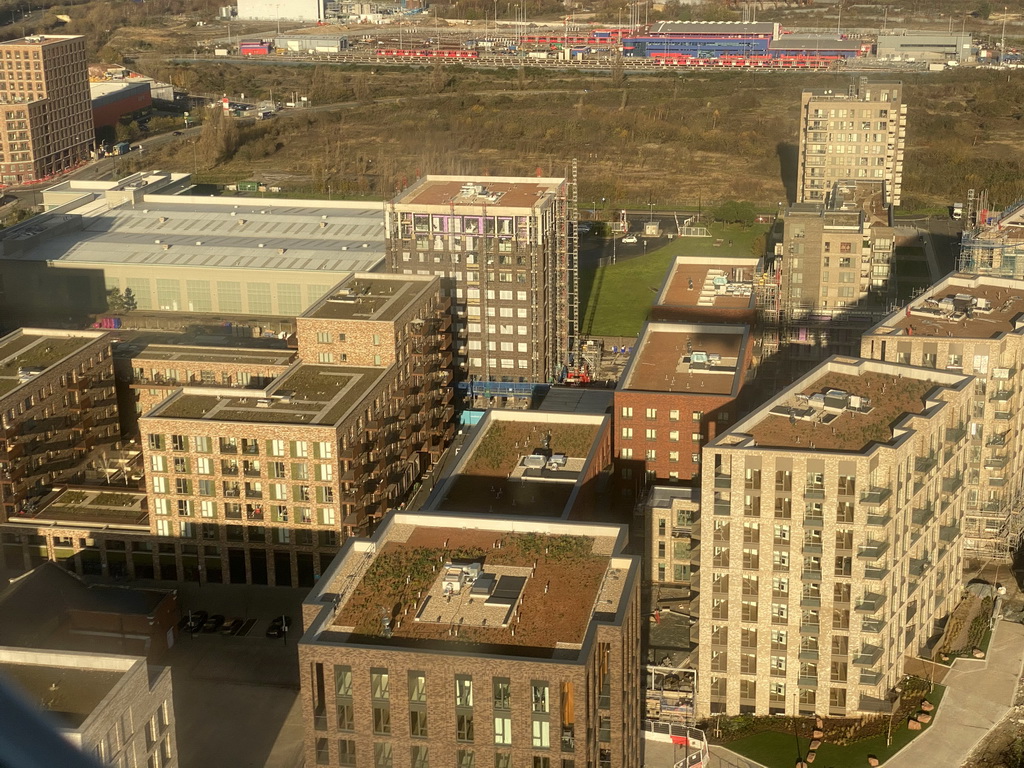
column 113, row 708
column 471, row 667
column 970, row 324
column 856, row 134
column 502, row 247
column 830, row 539
column 47, row 114
column 58, row 405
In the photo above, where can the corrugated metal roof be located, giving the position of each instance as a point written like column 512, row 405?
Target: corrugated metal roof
column 713, row 28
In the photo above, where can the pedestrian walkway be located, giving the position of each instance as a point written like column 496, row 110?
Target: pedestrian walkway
column 724, row 758
column 978, row 695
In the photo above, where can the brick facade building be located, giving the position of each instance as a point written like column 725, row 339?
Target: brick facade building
column 471, row 664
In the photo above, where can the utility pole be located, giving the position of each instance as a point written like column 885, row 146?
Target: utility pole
column 1002, row 39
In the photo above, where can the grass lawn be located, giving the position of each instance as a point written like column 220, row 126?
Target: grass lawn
column 779, row 750
column 617, row 298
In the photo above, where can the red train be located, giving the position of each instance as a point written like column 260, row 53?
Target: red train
column 427, row 53
column 594, row 37
column 749, row 62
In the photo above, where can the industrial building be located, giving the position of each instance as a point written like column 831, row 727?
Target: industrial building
column 971, row 324
column 288, row 10
column 112, row 100
column 915, row 46
column 505, row 249
column 181, row 253
column 311, row 43
column 703, row 39
column 115, row 709
column 509, row 642
column 58, row 405
column 856, row 134
column 830, row 530
column 46, row 126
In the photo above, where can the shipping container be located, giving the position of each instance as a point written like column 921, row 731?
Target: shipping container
column 122, row 148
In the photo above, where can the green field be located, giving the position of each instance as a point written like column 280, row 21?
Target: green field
column 617, row 298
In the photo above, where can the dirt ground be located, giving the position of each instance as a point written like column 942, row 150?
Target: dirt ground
column 992, row 751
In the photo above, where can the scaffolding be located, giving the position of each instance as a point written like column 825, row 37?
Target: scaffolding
column 992, row 245
column 567, row 305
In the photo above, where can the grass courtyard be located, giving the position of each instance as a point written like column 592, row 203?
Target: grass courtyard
column 775, row 749
column 617, row 298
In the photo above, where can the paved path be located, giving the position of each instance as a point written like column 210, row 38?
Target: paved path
column 977, row 697
column 724, row 758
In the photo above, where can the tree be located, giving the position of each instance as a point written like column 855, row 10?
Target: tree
column 733, row 212
column 115, row 300
column 984, row 10
column 129, row 300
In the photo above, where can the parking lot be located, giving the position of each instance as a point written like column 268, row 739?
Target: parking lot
column 236, row 697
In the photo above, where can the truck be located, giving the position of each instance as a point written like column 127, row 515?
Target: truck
column 122, row 148
column 958, row 211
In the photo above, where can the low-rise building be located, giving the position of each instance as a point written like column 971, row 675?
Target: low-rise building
column 472, row 640
column 830, row 539
column 971, row 324
column 114, row 708
column 528, row 463
column 696, row 292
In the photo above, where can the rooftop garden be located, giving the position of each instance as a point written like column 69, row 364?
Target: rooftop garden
column 402, row 574
column 499, row 449
column 891, row 398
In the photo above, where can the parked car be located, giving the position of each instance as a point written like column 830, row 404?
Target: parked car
column 195, row 620
column 629, row 239
column 279, row 626
column 213, row 623
column 176, row 133
column 232, row 627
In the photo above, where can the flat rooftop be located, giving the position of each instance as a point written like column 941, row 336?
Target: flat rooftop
column 480, row 191
column 203, row 232
column 862, row 197
column 477, row 585
column 367, row 298
column 28, row 352
column 967, row 310
column 520, row 467
column 117, row 508
column 175, row 353
column 698, row 284
column 840, row 411
column 69, row 694
column 687, row 358
column 40, row 40
column 318, row 395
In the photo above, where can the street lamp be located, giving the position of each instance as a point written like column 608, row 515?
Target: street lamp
column 651, row 206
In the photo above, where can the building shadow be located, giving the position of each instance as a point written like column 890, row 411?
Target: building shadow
column 789, row 160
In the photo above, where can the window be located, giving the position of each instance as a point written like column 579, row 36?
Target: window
column 464, row 726
column 627, row 433
column 502, row 693
column 652, row 434
column 652, row 413
column 275, row 447
column 382, row 755
column 626, row 453
column 346, row 752
column 382, row 720
column 463, row 691
column 541, row 734
column 379, row 684
column 465, row 758
column 417, row 687
column 698, row 415
column 419, row 757
column 540, row 697
column 627, row 412
column 503, row 730
column 418, row 723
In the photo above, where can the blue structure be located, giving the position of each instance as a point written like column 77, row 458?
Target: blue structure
column 702, row 40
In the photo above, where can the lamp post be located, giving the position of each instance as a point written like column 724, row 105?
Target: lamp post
column 651, row 206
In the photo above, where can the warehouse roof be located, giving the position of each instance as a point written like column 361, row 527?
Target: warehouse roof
column 201, row 232
column 713, row 28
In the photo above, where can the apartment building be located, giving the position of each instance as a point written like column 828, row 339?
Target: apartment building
column 670, row 515
column 58, row 405
column 114, row 708
column 971, row 324
column 502, row 246
column 679, row 389
column 469, row 641
column 528, row 463
column 854, row 134
column 830, row 539
column 47, row 112
column 275, row 478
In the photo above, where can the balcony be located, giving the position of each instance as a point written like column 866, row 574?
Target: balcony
column 810, row 629
column 998, row 482
column 949, row 533
column 879, row 520
column 919, row 567
column 1003, row 415
column 870, row 603
column 952, row 484
column 925, row 464
column 251, row 494
column 869, row 656
column 723, row 481
column 722, row 507
column 814, row 493
column 996, row 461
column 876, row 572
column 810, row 574
column 873, row 550
column 808, row 682
column 808, row 655
column 1000, row 396
column 999, row 439
column 875, row 496
column 874, row 626
column 810, row 602
column 955, row 434
column 922, row 515
column 811, row 548
column 813, row 521
column 232, row 493
column 870, row 677
column 250, row 472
